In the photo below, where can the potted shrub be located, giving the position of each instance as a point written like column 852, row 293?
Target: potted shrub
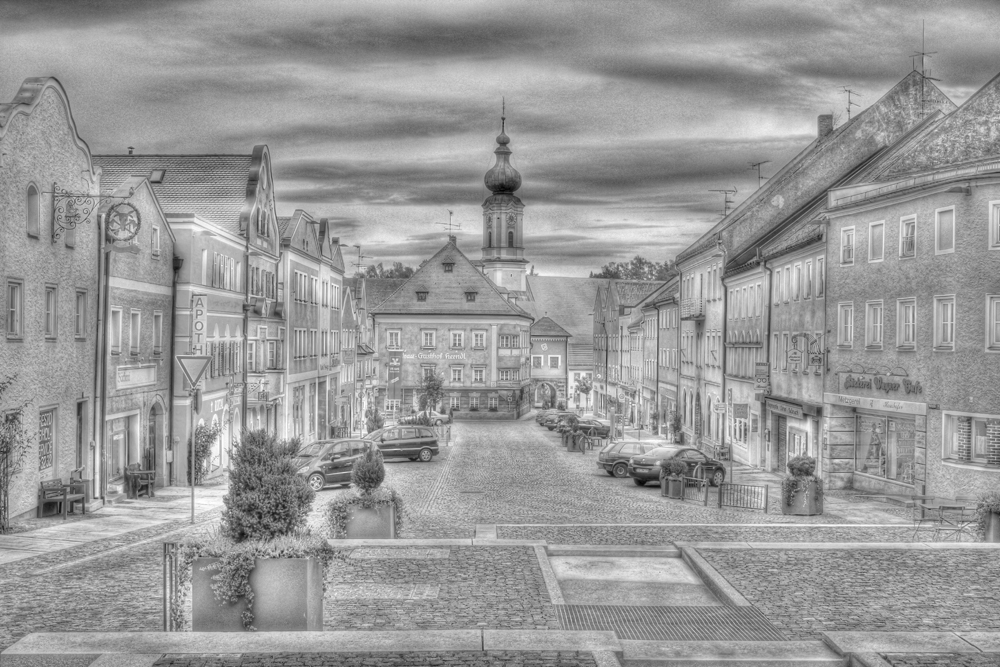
column 802, row 491
column 672, row 472
column 368, row 510
column 262, row 570
column 988, row 517
column 569, row 427
column 675, row 426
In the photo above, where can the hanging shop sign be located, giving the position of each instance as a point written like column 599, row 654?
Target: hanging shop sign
column 794, row 356
column 122, row 222
column 761, row 376
column 394, row 382
column 889, row 384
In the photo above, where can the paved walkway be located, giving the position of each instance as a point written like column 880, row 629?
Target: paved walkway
column 171, row 504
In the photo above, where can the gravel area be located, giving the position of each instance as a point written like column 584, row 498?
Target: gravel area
column 807, row 592
column 423, row 659
column 610, row 534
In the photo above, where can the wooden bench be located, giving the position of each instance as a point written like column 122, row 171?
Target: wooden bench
column 54, row 491
column 138, row 481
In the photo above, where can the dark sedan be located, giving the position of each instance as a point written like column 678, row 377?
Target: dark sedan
column 552, row 420
column 413, row 442
column 595, row 428
column 615, row 456
column 542, row 414
column 329, row 461
column 645, row 467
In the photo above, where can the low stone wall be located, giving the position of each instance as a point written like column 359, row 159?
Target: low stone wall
column 484, row 415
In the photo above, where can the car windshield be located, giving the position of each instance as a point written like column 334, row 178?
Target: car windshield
column 309, row 451
column 375, row 435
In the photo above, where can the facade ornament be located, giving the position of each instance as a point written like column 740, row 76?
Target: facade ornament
column 70, row 209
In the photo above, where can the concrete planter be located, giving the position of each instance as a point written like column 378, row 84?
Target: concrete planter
column 288, row 596
column 672, row 487
column 373, row 523
column 992, row 527
column 805, row 500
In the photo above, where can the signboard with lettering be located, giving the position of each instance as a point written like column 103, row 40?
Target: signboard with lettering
column 199, row 323
column 761, row 376
column 883, row 404
column 785, row 409
column 719, row 408
column 794, row 356
column 46, row 426
column 394, row 387
column 816, row 359
column 459, row 356
column 741, row 411
column 135, row 376
column 888, row 384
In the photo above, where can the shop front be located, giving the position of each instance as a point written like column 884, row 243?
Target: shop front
column 793, row 430
column 667, row 405
column 743, row 421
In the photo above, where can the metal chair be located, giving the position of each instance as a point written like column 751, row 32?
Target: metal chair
column 925, row 516
column 957, row 520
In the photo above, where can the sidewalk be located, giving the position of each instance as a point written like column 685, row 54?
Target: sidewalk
column 172, row 503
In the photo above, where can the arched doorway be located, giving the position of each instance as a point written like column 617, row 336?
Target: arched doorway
column 154, row 437
column 545, row 392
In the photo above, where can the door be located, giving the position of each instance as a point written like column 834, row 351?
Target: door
column 782, row 454
column 410, row 441
column 693, row 458
column 337, row 462
column 390, row 441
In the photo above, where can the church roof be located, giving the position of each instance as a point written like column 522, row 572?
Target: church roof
column 546, row 327
column 446, row 291
column 569, row 302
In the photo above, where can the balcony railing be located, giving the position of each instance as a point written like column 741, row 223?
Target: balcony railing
column 693, row 309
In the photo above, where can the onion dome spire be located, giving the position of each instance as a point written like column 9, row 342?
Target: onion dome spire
column 502, row 178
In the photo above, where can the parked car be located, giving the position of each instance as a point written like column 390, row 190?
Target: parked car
column 542, row 414
column 646, row 467
column 329, row 461
column 615, row 456
column 595, row 428
column 552, row 420
column 413, row 442
column 436, row 418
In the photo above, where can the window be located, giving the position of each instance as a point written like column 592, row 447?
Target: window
column 479, row 375
column 907, row 236
column 15, row 308
column 456, row 375
column 971, row 429
column 393, row 336
column 873, row 324
column 536, row 361
column 251, row 356
column 32, row 212
column 508, row 340
column 473, row 402
column 797, row 282
column 554, row 361
column 807, row 275
column 458, row 339
column 510, row 239
column 783, row 353
column 478, row 339
column 944, row 231
column 272, row 354
column 455, row 403
column 508, row 375
column 845, row 324
column 157, row 332
column 80, row 321
column 421, row 296
column 449, row 267
column 820, row 277
column 470, row 296
column 847, row 246
column 51, row 307
column 944, row 322
column 786, row 287
column 155, row 234
column 494, row 402
column 774, row 352
column 428, row 338
column 428, row 372
column 157, row 175
column 115, row 330
column 906, row 323
column 993, row 322
column 995, row 225
column 876, row 242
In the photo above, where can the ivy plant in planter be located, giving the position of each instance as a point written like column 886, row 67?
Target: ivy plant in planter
column 672, row 472
column 988, row 517
column 802, row 491
column 262, row 570
column 367, row 510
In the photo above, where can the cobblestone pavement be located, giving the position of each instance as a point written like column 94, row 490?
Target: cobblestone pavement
column 617, row 534
column 807, row 592
column 423, row 659
column 942, row 659
column 487, row 587
column 517, row 473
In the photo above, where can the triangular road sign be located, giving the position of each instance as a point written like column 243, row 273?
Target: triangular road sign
column 194, row 366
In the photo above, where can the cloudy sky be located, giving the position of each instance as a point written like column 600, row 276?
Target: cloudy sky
column 383, row 115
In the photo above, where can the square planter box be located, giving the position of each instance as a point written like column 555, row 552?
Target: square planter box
column 804, row 501
column 672, row 488
column 288, row 596
column 993, row 527
column 371, row 523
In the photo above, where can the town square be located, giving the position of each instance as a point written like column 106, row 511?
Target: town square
column 478, row 334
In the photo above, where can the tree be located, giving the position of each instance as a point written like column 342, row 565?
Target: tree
column 584, row 385
column 639, row 268
column 204, row 437
column 398, row 270
column 432, row 392
column 15, row 443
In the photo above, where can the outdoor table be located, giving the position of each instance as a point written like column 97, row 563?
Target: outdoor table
column 953, row 519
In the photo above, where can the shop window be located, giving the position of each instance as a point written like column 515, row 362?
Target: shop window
column 884, row 447
column 965, row 436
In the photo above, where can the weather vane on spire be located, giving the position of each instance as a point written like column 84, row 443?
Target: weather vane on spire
column 503, row 114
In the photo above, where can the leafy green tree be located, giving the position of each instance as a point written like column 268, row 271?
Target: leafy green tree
column 204, row 438
column 398, row 270
column 432, row 392
column 639, row 268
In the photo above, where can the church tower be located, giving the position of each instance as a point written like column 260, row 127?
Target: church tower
column 503, row 222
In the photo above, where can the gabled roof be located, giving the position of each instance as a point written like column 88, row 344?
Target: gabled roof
column 213, row 187
column 446, row 291
column 379, row 289
column 546, row 327
column 283, row 223
column 631, row 292
column 569, row 302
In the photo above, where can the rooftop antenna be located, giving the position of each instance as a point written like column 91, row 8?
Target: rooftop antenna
column 450, row 226
column 726, row 194
column 925, row 74
column 849, row 102
column 757, row 165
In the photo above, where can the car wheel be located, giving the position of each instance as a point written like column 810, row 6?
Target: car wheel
column 426, row 455
column 610, row 472
column 438, row 422
column 620, row 470
column 316, row 482
column 639, row 482
column 718, row 477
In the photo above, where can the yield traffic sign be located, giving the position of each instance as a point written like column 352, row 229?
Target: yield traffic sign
column 194, row 366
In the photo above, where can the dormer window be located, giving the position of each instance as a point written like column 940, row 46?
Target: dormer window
column 421, row 296
column 470, row 296
column 448, row 267
column 157, row 175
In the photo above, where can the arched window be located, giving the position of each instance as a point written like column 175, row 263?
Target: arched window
column 32, row 211
column 510, row 239
column 489, row 239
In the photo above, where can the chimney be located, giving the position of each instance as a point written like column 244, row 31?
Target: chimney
column 453, row 240
column 825, row 124
column 130, row 149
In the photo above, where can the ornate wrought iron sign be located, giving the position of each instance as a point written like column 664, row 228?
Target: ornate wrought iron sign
column 70, row 209
column 122, row 222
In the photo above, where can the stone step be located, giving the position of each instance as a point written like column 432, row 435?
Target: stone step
column 612, row 550
column 729, row 654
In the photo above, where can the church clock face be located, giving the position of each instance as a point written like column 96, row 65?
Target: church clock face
column 511, row 220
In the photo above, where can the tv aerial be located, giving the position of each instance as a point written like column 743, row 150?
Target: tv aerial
column 755, row 166
column 726, row 199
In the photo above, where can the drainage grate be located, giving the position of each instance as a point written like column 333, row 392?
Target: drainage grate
column 671, row 623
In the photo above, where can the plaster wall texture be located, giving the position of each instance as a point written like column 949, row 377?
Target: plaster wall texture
column 962, row 379
column 701, row 371
column 42, row 149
